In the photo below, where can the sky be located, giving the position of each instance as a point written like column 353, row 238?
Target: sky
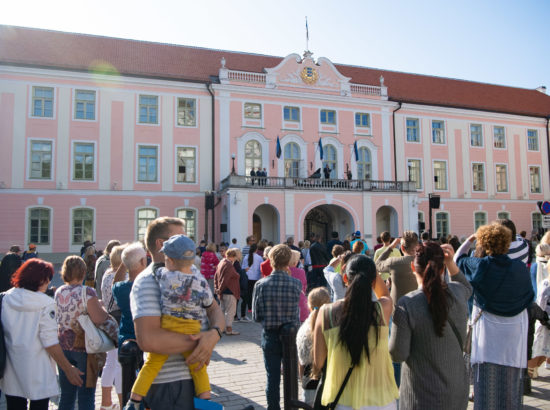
column 492, row 41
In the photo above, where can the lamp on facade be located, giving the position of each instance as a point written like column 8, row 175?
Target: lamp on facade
column 233, row 166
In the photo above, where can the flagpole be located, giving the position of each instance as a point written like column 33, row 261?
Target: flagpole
column 307, row 36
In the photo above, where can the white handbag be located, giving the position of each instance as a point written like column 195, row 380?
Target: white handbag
column 96, row 339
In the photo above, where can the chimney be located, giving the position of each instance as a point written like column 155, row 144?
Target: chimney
column 541, row 89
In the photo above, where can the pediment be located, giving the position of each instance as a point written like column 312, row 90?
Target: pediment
column 297, row 72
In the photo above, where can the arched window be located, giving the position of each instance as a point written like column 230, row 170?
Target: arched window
column 364, row 164
column 330, row 159
column 252, row 156
column 292, row 160
column 480, row 219
column 39, row 226
column 503, row 215
column 83, row 225
column 189, row 217
column 144, row 217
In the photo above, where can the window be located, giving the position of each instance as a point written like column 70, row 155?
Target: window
column 331, row 160
column 534, row 173
column 252, row 156
column 189, row 217
column 442, row 224
column 39, row 226
column 478, row 171
column 499, row 138
column 84, row 105
column 42, row 102
column 187, row 112
column 148, row 109
column 41, row 160
column 415, row 174
column 502, row 178
column 252, row 111
column 532, row 140
column 292, row 114
column 186, row 164
column 480, row 219
column 147, row 164
column 503, row 215
column 476, row 135
column 438, row 132
column 83, row 225
column 144, row 217
column 328, row 117
column 440, row 175
column 362, row 119
column 292, row 160
column 83, row 162
column 364, row 164
column 536, row 219
column 413, row 134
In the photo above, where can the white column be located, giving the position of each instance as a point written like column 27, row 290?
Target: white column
column 63, row 142
column 225, row 122
column 167, row 154
column 129, row 149
column 386, row 146
column 289, row 216
column 240, row 224
column 368, row 228
column 205, row 146
column 104, row 150
column 19, row 137
column 489, row 163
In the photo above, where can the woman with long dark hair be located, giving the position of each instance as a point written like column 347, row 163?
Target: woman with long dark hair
column 428, row 330
column 251, row 264
column 353, row 333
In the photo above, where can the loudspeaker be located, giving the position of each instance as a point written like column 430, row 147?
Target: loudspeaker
column 223, row 227
column 421, row 226
column 209, row 201
column 434, row 202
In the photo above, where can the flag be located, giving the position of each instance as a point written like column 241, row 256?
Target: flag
column 320, row 149
column 307, row 30
column 279, row 151
column 356, row 151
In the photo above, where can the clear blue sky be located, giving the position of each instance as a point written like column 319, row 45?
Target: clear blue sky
column 495, row 41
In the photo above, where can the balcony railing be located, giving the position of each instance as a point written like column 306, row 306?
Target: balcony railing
column 315, row 184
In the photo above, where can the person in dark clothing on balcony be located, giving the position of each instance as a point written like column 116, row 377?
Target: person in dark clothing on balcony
column 252, row 174
column 319, row 260
column 327, row 171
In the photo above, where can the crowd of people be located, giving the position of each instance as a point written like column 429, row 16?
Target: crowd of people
column 410, row 323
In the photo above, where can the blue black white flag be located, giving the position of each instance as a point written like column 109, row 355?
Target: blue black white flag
column 320, row 149
column 279, row 151
column 356, row 151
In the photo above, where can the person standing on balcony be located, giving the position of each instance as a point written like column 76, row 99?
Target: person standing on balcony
column 264, row 176
column 252, row 174
column 327, row 171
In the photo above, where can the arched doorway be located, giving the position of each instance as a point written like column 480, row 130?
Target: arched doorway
column 325, row 219
column 265, row 223
column 387, row 220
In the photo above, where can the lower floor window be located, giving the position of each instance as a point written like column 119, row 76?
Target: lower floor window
column 83, row 225
column 442, row 224
column 144, row 217
column 39, row 226
column 189, row 217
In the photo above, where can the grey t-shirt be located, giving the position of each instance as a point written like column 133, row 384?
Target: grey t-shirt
column 145, row 301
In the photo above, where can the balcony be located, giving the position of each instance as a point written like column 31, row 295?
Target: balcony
column 316, row 184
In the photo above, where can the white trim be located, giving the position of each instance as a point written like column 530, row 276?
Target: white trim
column 71, row 156
column 54, row 102
column 484, row 177
column 497, row 192
column 241, row 145
column 40, row 248
column 136, row 211
column 419, row 128
column 145, row 94
column 29, row 150
column 176, row 164
column 302, row 171
column 445, row 133
column 447, row 182
column 187, row 97
column 136, row 178
column 505, row 138
column 196, row 211
column 481, row 211
column 75, row 247
column 73, row 104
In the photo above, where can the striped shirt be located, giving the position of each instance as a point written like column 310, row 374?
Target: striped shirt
column 275, row 300
column 145, row 301
column 519, row 249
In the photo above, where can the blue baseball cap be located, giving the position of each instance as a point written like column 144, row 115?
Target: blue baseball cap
column 177, row 246
column 358, row 234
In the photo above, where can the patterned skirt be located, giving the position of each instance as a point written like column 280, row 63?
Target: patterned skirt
column 497, row 387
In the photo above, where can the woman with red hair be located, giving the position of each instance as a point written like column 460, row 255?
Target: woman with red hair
column 30, row 332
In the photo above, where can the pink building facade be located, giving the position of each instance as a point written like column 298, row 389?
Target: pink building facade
column 100, row 136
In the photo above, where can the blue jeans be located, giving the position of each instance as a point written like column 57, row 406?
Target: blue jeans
column 86, row 396
column 273, row 355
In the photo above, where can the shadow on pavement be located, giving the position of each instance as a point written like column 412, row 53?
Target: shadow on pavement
column 216, row 357
column 232, row 400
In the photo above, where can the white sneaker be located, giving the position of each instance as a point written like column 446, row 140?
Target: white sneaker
column 246, row 319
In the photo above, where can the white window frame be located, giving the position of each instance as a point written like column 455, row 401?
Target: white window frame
column 506, row 176
column 86, row 90
column 418, row 131
column 484, row 177
column 196, row 218
column 245, row 118
column 196, row 181
column 138, row 181
column 504, row 136
column 71, row 233
column 241, row 145
column 327, row 110
column 291, row 107
column 29, row 158
column 73, row 147
column 531, row 180
column 420, row 173
column 362, row 162
column 334, row 173
column 478, row 211
column 136, row 221
column 292, row 160
column 537, row 139
column 138, row 105
column 369, row 120
column 446, row 175
column 481, row 136
column 448, row 222
column 539, row 215
column 28, row 226
column 247, row 172
column 503, row 212
column 185, row 97
column 443, row 132
column 31, row 101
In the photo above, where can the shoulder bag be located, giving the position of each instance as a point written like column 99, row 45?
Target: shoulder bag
column 97, row 341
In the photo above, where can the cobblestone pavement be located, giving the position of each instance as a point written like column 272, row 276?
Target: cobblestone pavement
column 237, row 374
